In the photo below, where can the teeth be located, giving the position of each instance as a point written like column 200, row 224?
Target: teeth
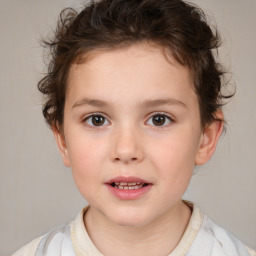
column 128, row 183
column 135, row 186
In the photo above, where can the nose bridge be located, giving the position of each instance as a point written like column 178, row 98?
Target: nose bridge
column 127, row 145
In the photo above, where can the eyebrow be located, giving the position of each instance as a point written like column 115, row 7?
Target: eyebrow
column 144, row 104
column 91, row 102
column 160, row 102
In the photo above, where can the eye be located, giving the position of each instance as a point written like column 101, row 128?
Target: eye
column 96, row 120
column 160, row 120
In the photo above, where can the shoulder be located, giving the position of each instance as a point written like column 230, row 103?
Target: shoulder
column 227, row 241
column 54, row 242
column 218, row 241
column 29, row 249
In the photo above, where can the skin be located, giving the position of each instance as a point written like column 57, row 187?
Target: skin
column 129, row 143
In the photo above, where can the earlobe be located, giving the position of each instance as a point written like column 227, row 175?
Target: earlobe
column 210, row 139
column 61, row 143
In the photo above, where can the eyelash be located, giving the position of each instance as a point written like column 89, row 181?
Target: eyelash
column 92, row 115
column 170, row 119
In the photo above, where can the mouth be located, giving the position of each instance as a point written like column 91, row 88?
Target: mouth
column 128, row 188
column 122, row 182
column 128, row 185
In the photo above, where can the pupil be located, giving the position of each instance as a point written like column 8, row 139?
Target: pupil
column 97, row 120
column 158, row 120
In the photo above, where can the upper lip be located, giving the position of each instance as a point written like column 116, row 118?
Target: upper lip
column 128, row 179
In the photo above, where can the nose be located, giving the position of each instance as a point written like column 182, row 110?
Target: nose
column 127, row 146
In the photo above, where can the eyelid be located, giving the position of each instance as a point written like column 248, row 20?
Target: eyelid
column 168, row 116
column 85, row 118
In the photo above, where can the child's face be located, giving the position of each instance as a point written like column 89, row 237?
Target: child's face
column 132, row 92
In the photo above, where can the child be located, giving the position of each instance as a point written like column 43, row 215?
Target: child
column 134, row 101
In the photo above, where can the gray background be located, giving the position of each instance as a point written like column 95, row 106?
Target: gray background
column 36, row 190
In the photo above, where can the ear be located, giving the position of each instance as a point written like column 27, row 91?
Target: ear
column 209, row 139
column 61, row 143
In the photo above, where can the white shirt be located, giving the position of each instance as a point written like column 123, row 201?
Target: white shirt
column 202, row 237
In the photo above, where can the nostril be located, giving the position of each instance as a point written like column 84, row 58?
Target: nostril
column 127, row 155
column 126, row 159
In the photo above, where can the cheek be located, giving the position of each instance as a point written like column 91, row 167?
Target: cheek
column 86, row 158
column 174, row 157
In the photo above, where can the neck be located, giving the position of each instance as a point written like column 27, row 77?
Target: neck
column 159, row 237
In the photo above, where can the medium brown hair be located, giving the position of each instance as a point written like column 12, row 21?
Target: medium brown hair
column 179, row 27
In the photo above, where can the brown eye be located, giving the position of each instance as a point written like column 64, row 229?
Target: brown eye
column 159, row 120
column 96, row 120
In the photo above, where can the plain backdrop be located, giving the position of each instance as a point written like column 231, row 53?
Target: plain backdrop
column 37, row 192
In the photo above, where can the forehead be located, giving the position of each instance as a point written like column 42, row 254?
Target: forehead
column 147, row 51
column 139, row 70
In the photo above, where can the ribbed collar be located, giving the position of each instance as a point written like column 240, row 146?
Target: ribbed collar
column 83, row 245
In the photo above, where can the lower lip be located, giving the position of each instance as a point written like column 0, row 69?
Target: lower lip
column 129, row 194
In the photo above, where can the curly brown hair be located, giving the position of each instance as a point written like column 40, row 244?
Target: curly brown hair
column 181, row 28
